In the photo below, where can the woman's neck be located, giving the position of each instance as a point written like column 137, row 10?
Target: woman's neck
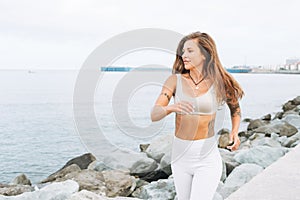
column 196, row 74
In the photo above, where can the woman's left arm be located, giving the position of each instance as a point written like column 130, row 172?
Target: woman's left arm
column 235, row 112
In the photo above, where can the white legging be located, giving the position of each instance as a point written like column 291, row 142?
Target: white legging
column 196, row 167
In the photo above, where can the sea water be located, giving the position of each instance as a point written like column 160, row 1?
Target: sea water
column 38, row 130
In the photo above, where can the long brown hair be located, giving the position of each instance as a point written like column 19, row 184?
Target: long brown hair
column 227, row 88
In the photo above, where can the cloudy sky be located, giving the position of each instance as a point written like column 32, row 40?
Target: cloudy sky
column 62, row 33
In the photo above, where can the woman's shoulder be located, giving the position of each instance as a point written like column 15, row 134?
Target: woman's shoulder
column 172, row 78
column 171, row 81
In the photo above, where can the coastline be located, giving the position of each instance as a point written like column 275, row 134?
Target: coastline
column 141, row 175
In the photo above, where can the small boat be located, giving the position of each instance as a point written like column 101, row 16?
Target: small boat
column 239, row 69
column 115, row 69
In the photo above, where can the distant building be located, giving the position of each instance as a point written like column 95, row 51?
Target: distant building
column 291, row 61
column 292, row 64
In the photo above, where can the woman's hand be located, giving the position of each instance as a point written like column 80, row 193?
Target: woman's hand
column 183, row 107
column 234, row 142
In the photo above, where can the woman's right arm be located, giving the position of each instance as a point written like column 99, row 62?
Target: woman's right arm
column 161, row 108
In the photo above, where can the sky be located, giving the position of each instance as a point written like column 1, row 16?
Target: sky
column 61, row 34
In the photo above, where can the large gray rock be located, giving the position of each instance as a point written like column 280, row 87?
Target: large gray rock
column 89, row 180
column 295, row 143
column 291, row 141
column 230, row 162
column 256, row 136
column 238, row 177
column 254, row 124
column 82, row 161
column 11, row 190
column 87, row 195
column 282, row 139
column 280, row 127
column 260, row 155
column 159, row 147
column 99, row 166
column 267, row 117
column 296, row 100
column 293, row 119
column 266, row 141
column 60, row 174
column 245, row 145
column 223, row 141
column 217, row 196
column 78, row 163
column 163, row 189
column 136, row 162
column 224, row 173
column 288, row 106
column 165, row 164
column 54, row 191
column 291, row 104
column 21, row 180
column 118, row 183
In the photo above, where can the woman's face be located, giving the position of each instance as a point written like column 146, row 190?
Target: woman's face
column 191, row 55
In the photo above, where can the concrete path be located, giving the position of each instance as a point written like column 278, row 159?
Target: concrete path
column 279, row 181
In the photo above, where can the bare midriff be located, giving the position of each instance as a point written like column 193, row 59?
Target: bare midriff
column 194, row 127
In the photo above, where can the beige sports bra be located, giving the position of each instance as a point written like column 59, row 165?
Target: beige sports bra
column 206, row 104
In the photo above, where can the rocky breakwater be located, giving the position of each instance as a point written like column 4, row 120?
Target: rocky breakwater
column 147, row 174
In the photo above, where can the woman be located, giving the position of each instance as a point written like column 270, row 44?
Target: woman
column 199, row 85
